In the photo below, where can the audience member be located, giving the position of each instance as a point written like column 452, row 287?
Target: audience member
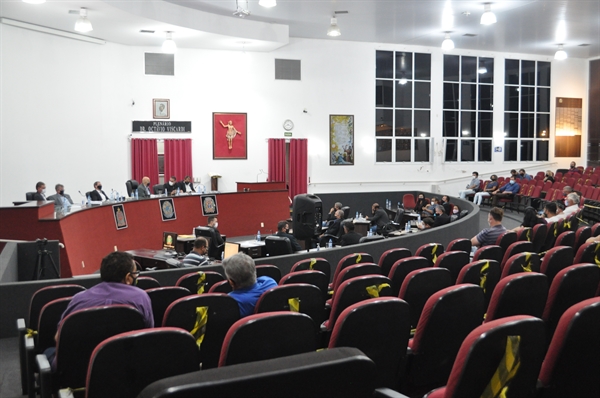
column 198, row 255
column 524, row 176
column 426, row 223
column 40, row 191
column 550, row 212
column 507, row 191
column 98, row 195
column 593, row 239
column 571, row 204
column 283, row 229
column 446, row 204
column 240, row 271
column 331, row 216
column 455, row 213
column 335, row 226
column 549, row 176
column 573, row 168
column 441, row 218
column 379, row 219
column 350, row 237
column 421, row 202
column 430, row 209
column 488, row 236
column 213, row 223
column 530, row 219
column 566, row 191
column 490, row 187
column 472, row 187
column 171, row 186
column 61, row 199
column 186, row 186
column 514, row 173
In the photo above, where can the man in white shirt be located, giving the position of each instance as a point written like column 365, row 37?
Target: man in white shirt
column 572, row 204
column 98, row 195
column 472, row 187
column 550, row 214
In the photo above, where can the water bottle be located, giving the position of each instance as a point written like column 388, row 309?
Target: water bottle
column 398, row 206
column 89, row 200
column 330, row 244
column 82, row 202
column 258, row 236
column 419, row 218
column 370, row 233
column 136, row 194
column 177, row 191
column 356, row 215
column 112, row 195
column 318, row 247
column 408, row 226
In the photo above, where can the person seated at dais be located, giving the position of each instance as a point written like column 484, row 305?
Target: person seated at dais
column 61, row 199
column 283, row 228
column 350, row 237
column 144, row 188
column 98, row 195
column 40, row 191
column 171, row 186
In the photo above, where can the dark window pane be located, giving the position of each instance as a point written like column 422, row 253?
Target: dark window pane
column 542, row 126
column 510, row 150
column 486, row 124
column 528, row 73
column 511, row 124
column 384, row 151
column 403, row 150
column 161, row 164
column 384, row 93
column 422, row 124
column 469, row 70
column 384, row 64
column 526, row 151
column 542, row 151
column 451, row 151
column 422, row 66
column 511, row 98
column 468, row 96
column 488, row 76
column 511, row 74
column 451, row 63
column 404, row 65
column 450, row 124
column 485, row 150
column 383, row 122
column 543, row 98
column 403, row 123
column 486, row 97
column 527, row 125
column 422, row 95
column 450, row 95
column 467, row 150
column 467, row 124
column 527, row 99
column 543, row 74
column 404, row 95
column 422, row 150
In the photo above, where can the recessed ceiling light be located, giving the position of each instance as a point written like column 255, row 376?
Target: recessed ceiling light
column 584, row 45
column 469, row 35
column 146, row 31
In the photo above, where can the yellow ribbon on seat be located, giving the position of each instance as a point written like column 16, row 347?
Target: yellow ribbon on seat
column 199, row 329
column 567, row 224
column 506, row 371
column 313, row 261
column 433, row 251
column 200, row 284
column 528, row 235
column 527, row 266
column 483, row 275
column 31, row 332
column 373, row 291
column 294, row 303
column 358, row 258
column 597, row 256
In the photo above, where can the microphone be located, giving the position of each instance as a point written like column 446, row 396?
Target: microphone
column 81, row 194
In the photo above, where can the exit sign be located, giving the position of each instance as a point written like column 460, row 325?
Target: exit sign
column 287, row 134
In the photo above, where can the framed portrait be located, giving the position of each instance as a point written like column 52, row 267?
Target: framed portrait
column 167, row 209
column 341, row 140
column 161, row 109
column 209, row 205
column 120, row 218
column 230, row 136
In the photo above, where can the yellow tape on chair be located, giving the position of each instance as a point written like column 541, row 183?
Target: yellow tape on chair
column 483, row 275
column 527, row 266
column 199, row 329
column 294, row 304
column 373, row 291
column 31, row 332
column 434, row 256
column 358, row 258
column 528, row 235
column 200, row 283
column 597, row 256
column 313, row 261
column 506, row 371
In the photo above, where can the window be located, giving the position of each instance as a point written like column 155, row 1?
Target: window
column 526, row 110
column 468, row 108
column 402, row 107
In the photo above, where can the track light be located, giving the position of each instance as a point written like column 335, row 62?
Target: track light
column 34, row 1
column 169, row 46
column 447, row 44
column 83, row 24
column 334, row 29
column 267, row 3
column 560, row 54
column 488, row 17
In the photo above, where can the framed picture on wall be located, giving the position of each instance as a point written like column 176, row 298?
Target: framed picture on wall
column 167, row 209
column 209, row 205
column 120, row 218
column 161, row 109
column 230, row 136
column 341, row 140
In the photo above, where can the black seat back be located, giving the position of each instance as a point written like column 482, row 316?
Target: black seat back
column 278, row 246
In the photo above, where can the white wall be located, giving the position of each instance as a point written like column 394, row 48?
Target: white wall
column 66, row 112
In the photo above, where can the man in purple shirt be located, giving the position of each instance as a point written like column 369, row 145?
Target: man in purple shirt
column 507, row 191
column 489, row 235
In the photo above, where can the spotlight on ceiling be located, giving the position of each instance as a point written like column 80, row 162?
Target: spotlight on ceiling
column 482, row 69
column 169, row 46
column 447, row 44
column 334, row 29
column 560, row 53
column 488, row 17
column 83, row 24
column 267, row 3
column 34, row 1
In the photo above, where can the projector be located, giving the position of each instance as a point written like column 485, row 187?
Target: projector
column 241, row 12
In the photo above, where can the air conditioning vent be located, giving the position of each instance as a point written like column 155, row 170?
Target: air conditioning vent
column 288, row 69
column 159, row 64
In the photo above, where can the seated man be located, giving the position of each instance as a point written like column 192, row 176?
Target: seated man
column 566, row 191
column 571, row 204
column 331, row 216
column 213, row 223
column 426, row 223
column 524, row 176
column 240, row 271
column 472, row 187
column 488, row 236
column 507, row 191
column 171, row 186
column 487, row 190
column 98, row 194
column 350, row 237
column 198, row 255
column 40, row 191
column 187, row 185
column 441, row 218
column 573, row 168
column 429, row 210
column 144, row 188
column 335, row 228
column 283, row 228
column 61, row 199
column 551, row 213
column 379, row 218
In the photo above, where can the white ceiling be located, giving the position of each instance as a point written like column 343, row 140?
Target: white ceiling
column 524, row 26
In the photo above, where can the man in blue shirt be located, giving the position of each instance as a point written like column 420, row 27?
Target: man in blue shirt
column 247, row 288
column 507, row 191
column 524, row 176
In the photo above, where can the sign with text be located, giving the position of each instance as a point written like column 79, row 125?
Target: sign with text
column 161, row 126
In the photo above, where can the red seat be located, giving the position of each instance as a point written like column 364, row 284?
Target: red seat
column 525, row 235
column 355, row 270
column 521, row 262
column 389, row 258
column 272, row 271
column 408, row 201
column 309, row 300
column 556, row 259
column 430, row 251
column 146, row 282
column 539, row 236
column 453, row 261
column 316, row 278
column 421, row 284
column 515, row 248
column 317, row 264
column 199, row 282
column 506, row 239
column 461, row 244
column 162, row 297
column 566, row 238
column 483, row 273
column 519, row 294
column 490, row 252
column 351, row 259
column 403, row 267
column 581, row 235
column 221, row 287
column 596, row 228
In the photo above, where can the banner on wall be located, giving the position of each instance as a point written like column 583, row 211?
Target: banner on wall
column 161, row 126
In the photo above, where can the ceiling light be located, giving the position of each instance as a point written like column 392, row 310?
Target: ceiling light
column 447, row 17
column 169, row 46
column 267, row 3
column 482, row 69
column 34, row 1
column 242, row 9
column 403, row 80
column 560, row 54
column 334, row 29
column 83, row 24
column 447, row 44
column 488, row 17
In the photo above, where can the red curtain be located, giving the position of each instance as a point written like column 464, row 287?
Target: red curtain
column 298, row 166
column 276, row 160
column 178, row 159
column 144, row 160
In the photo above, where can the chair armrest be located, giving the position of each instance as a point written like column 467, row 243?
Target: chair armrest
column 21, row 331
column 387, row 393
column 30, row 366
column 45, row 376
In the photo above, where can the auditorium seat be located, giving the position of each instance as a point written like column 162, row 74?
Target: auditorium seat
column 490, row 252
column 524, row 235
column 220, row 287
column 550, row 236
column 555, row 260
column 123, row 365
column 131, row 186
column 483, row 273
column 29, row 195
column 355, row 270
column 521, row 262
column 419, row 286
column 505, row 240
column 566, row 238
column 162, row 297
column 588, row 253
column 146, row 282
column 277, row 246
column 460, row 244
column 518, row 294
column 315, row 278
column 199, row 282
column 299, row 297
column 403, row 267
column 389, row 258
column 270, row 335
column 351, row 259
column 158, row 189
column 269, row 270
column 430, row 251
column 453, row 261
column 539, row 237
column 222, row 312
column 515, row 248
column 581, row 235
column 315, row 263
column 505, row 352
column 380, row 328
column 372, row 238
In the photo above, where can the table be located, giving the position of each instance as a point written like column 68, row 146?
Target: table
column 149, row 258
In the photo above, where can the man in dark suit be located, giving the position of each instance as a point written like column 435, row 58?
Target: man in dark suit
column 98, row 194
column 282, row 231
column 171, row 186
column 144, row 188
column 213, row 223
column 40, row 191
column 349, row 237
column 187, row 186
column 335, row 228
column 441, row 218
column 379, row 219
column 61, row 199
column 337, row 206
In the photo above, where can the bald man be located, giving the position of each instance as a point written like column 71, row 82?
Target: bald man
column 144, row 188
